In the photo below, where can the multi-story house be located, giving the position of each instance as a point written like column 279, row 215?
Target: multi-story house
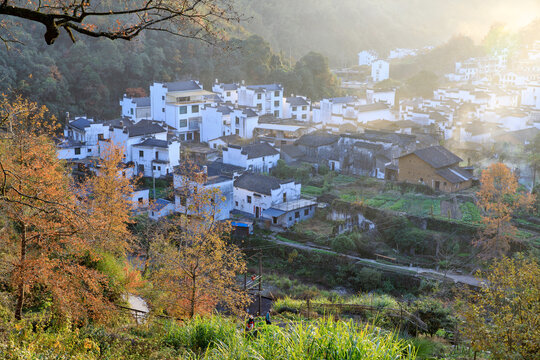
column 81, row 138
column 366, row 57
column 156, row 158
column 127, row 134
column 224, row 120
column 266, row 99
column 136, row 109
column 179, row 105
column 259, row 158
column 380, row 70
column 297, row 107
column 227, row 92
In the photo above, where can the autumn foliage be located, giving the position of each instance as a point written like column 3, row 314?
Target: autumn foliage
column 499, row 199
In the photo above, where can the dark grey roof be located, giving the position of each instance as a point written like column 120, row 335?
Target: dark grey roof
column 367, row 145
column 297, row 101
column 154, row 143
column 218, row 168
column 259, row 183
column 249, row 112
column 258, row 150
column 225, row 110
column 437, row 156
column 454, row 174
column 141, row 101
column 372, row 107
column 343, row 100
column 160, row 204
column 268, row 87
column 80, row 123
column 119, row 122
column 229, row 87
column 316, row 139
column 145, row 127
column 292, row 151
column 182, row 85
column 69, row 142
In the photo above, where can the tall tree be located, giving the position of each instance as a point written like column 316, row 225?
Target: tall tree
column 499, row 198
column 124, row 19
column 503, row 316
column 107, row 200
column 194, row 264
column 46, row 250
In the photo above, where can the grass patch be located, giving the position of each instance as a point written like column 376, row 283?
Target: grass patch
column 312, row 190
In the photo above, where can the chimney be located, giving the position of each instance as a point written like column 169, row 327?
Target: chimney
column 217, row 81
column 67, row 118
column 205, row 170
column 243, row 82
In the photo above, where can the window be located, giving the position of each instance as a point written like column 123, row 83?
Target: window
column 183, row 109
column 131, row 111
column 297, row 214
column 190, row 136
column 89, row 150
column 285, row 197
column 237, row 131
column 159, row 168
column 236, row 203
column 237, row 120
column 259, row 106
column 154, row 167
column 304, row 116
column 183, row 123
column 140, row 200
column 100, row 137
column 123, row 174
column 276, row 113
column 163, row 97
column 152, row 213
column 304, row 107
column 274, row 220
column 276, row 93
column 306, row 212
column 294, row 116
column 249, row 199
column 182, row 99
column 195, row 108
column 228, row 93
column 141, row 153
column 162, row 109
column 77, row 151
column 157, row 155
column 294, row 108
column 259, row 96
column 183, row 201
column 276, row 103
column 182, row 137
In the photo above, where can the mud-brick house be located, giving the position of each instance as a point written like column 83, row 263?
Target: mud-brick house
column 435, row 167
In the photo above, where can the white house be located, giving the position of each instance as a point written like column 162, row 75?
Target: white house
column 227, row 92
column 297, row 107
column 330, row 110
column 380, row 70
column 81, row 139
column 387, row 96
column 224, row 120
column 530, row 96
column 375, row 111
column 126, row 134
column 402, row 53
column 160, row 208
column 179, row 105
column 254, row 193
column 155, row 157
column 267, row 99
column 258, row 158
column 136, row 108
column 366, row 57
column 214, row 178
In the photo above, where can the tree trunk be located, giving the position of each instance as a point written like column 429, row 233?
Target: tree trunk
column 20, row 290
column 193, row 295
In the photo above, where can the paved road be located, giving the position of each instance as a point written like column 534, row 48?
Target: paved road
column 428, row 273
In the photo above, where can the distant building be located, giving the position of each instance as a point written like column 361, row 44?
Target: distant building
column 136, row 109
column 380, row 70
column 402, row 53
column 160, row 208
column 366, row 57
column 223, row 120
column 435, row 167
column 227, row 92
column 297, row 108
column 265, row 99
column 156, row 158
column 259, row 158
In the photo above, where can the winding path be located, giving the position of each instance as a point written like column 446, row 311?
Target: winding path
column 424, row 272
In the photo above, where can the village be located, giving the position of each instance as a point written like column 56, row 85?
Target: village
column 237, row 135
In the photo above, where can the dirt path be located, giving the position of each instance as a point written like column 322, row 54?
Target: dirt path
column 428, row 273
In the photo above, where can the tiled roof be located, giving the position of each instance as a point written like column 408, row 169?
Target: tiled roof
column 80, row 123
column 145, row 127
column 259, row 183
column 268, row 87
column 437, row 156
column 372, row 107
column 254, row 151
column 229, row 87
column 292, row 150
column 182, row 85
column 316, row 139
column 454, row 174
column 297, row 101
column 154, row 143
column 141, row 101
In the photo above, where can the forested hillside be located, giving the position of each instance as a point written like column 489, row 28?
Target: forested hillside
column 339, row 29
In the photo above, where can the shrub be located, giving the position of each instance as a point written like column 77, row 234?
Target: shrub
column 435, row 315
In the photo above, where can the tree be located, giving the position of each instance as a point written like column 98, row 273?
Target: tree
column 107, row 200
column 124, row 19
column 44, row 249
column 503, row 316
column 194, row 265
column 534, row 157
column 499, row 199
